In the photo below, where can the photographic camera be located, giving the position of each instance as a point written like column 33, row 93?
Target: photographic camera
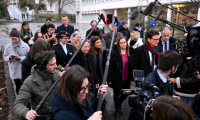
column 142, row 97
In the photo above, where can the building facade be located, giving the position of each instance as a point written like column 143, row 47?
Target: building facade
column 87, row 10
column 13, row 2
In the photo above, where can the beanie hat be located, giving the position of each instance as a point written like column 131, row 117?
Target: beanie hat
column 124, row 22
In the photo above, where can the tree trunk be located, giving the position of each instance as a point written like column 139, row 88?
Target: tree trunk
column 37, row 13
column 59, row 9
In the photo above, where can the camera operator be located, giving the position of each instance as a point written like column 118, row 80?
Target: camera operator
column 168, row 108
column 72, row 100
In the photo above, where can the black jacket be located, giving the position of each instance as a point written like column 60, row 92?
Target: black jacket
column 70, row 29
column 89, row 66
column 141, row 60
column 92, row 34
column 141, row 32
column 26, row 68
column 125, row 32
column 154, row 78
column 61, row 58
column 187, row 71
column 44, row 29
column 171, row 46
column 116, row 68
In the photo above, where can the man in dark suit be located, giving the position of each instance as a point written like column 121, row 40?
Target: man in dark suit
column 165, row 41
column 167, row 64
column 65, row 26
column 63, row 51
column 44, row 27
column 146, row 56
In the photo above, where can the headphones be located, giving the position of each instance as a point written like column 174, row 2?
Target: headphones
column 42, row 66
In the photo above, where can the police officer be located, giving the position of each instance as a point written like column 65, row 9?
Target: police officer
column 63, row 50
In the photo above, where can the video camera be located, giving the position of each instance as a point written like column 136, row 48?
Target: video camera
column 142, row 97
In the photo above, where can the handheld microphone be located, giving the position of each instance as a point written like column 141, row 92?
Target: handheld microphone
column 150, row 85
column 116, row 20
column 135, row 14
column 153, row 22
column 149, row 8
column 103, row 18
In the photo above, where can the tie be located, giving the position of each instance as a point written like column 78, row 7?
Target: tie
column 66, row 28
column 165, row 45
column 166, row 88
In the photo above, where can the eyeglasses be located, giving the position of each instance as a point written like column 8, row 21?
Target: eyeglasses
column 82, row 90
column 155, row 39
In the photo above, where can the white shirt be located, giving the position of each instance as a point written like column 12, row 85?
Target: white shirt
column 163, row 43
column 162, row 78
column 150, row 57
column 64, row 48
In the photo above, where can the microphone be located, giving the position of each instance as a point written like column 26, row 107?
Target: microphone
column 153, row 22
column 135, row 14
column 150, row 85
column 149, row 8
column 116, row 20
column 103, row 18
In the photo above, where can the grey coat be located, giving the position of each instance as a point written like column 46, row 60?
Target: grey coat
column 107, row 37
column 15, row 64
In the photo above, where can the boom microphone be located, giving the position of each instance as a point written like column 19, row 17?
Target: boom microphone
column 153, row 22
column 135, row 14
column 103, row 18
column 150, row 85
column 149, row 8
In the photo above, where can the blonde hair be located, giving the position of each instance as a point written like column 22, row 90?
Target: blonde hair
column 136, row 35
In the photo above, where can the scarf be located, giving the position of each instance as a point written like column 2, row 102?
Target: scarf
column 154, row 51
column 138, row 29
column 16, row 47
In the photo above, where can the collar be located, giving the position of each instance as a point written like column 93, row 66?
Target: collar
column 66, row 25
column 162, row 78
column 164, row 42
column 62, row 45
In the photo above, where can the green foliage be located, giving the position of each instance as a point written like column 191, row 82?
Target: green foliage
column 42, row 6
column 22, row 3
column 30, row 6
column 49, row 16
column 2, row 7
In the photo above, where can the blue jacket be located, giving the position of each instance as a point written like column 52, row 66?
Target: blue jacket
column 63, row 111
column 154, row 78
column 125, row 32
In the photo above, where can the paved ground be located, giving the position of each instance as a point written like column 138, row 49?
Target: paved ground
column 110, row 109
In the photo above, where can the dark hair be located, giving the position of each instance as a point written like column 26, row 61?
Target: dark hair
column 137, row 24
column 127, row 47
column 167, row 60
column 70, row 83
column 14, row 33
column 76, row 30
column 92, row 22
column 151, row 33
column 39, row 57
column 38, row 46
column 50, row 26
column 36, row 36
column 93, row 40
column 168, row 108
column 97, row 32
column 48, row 19
column 22, row 29
column 65, row 16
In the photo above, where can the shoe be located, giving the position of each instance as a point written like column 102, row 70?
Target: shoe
column 116, row 115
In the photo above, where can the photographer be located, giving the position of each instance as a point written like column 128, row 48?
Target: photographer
column 72, row 100
column 25, row 32
column 168, row 108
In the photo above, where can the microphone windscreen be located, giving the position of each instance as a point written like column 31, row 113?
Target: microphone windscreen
column 118, row 23
column 149, row 8
column 153, row 23
column 135, row 14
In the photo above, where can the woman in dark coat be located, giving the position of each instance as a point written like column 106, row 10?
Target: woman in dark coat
column 120, row 72
column 38, row 46
column 85, row 59
column 100, row 55
column 72, row 100
column 63, row 51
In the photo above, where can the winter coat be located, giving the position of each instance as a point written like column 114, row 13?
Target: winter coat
column 26, row 33
column 137, row 44
column 125, row 32
column 92, row 34
column 63, row 111
column 108, row 38
column 70, row 29
column 188, row 85
column 80, row 60
column 15, row 64
column 27, row 64
column 116, row 68
column 32, row 91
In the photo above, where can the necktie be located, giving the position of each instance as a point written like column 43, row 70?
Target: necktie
column 165, row 45
column 66, row 28
column 166, row 88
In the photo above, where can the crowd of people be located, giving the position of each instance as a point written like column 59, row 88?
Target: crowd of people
column 34, row 67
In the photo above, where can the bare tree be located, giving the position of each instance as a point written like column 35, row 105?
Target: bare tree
column 5, row 3
column 36, row 7
column 62, row 4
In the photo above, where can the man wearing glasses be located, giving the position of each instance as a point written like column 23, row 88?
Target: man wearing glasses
column 146, row 56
